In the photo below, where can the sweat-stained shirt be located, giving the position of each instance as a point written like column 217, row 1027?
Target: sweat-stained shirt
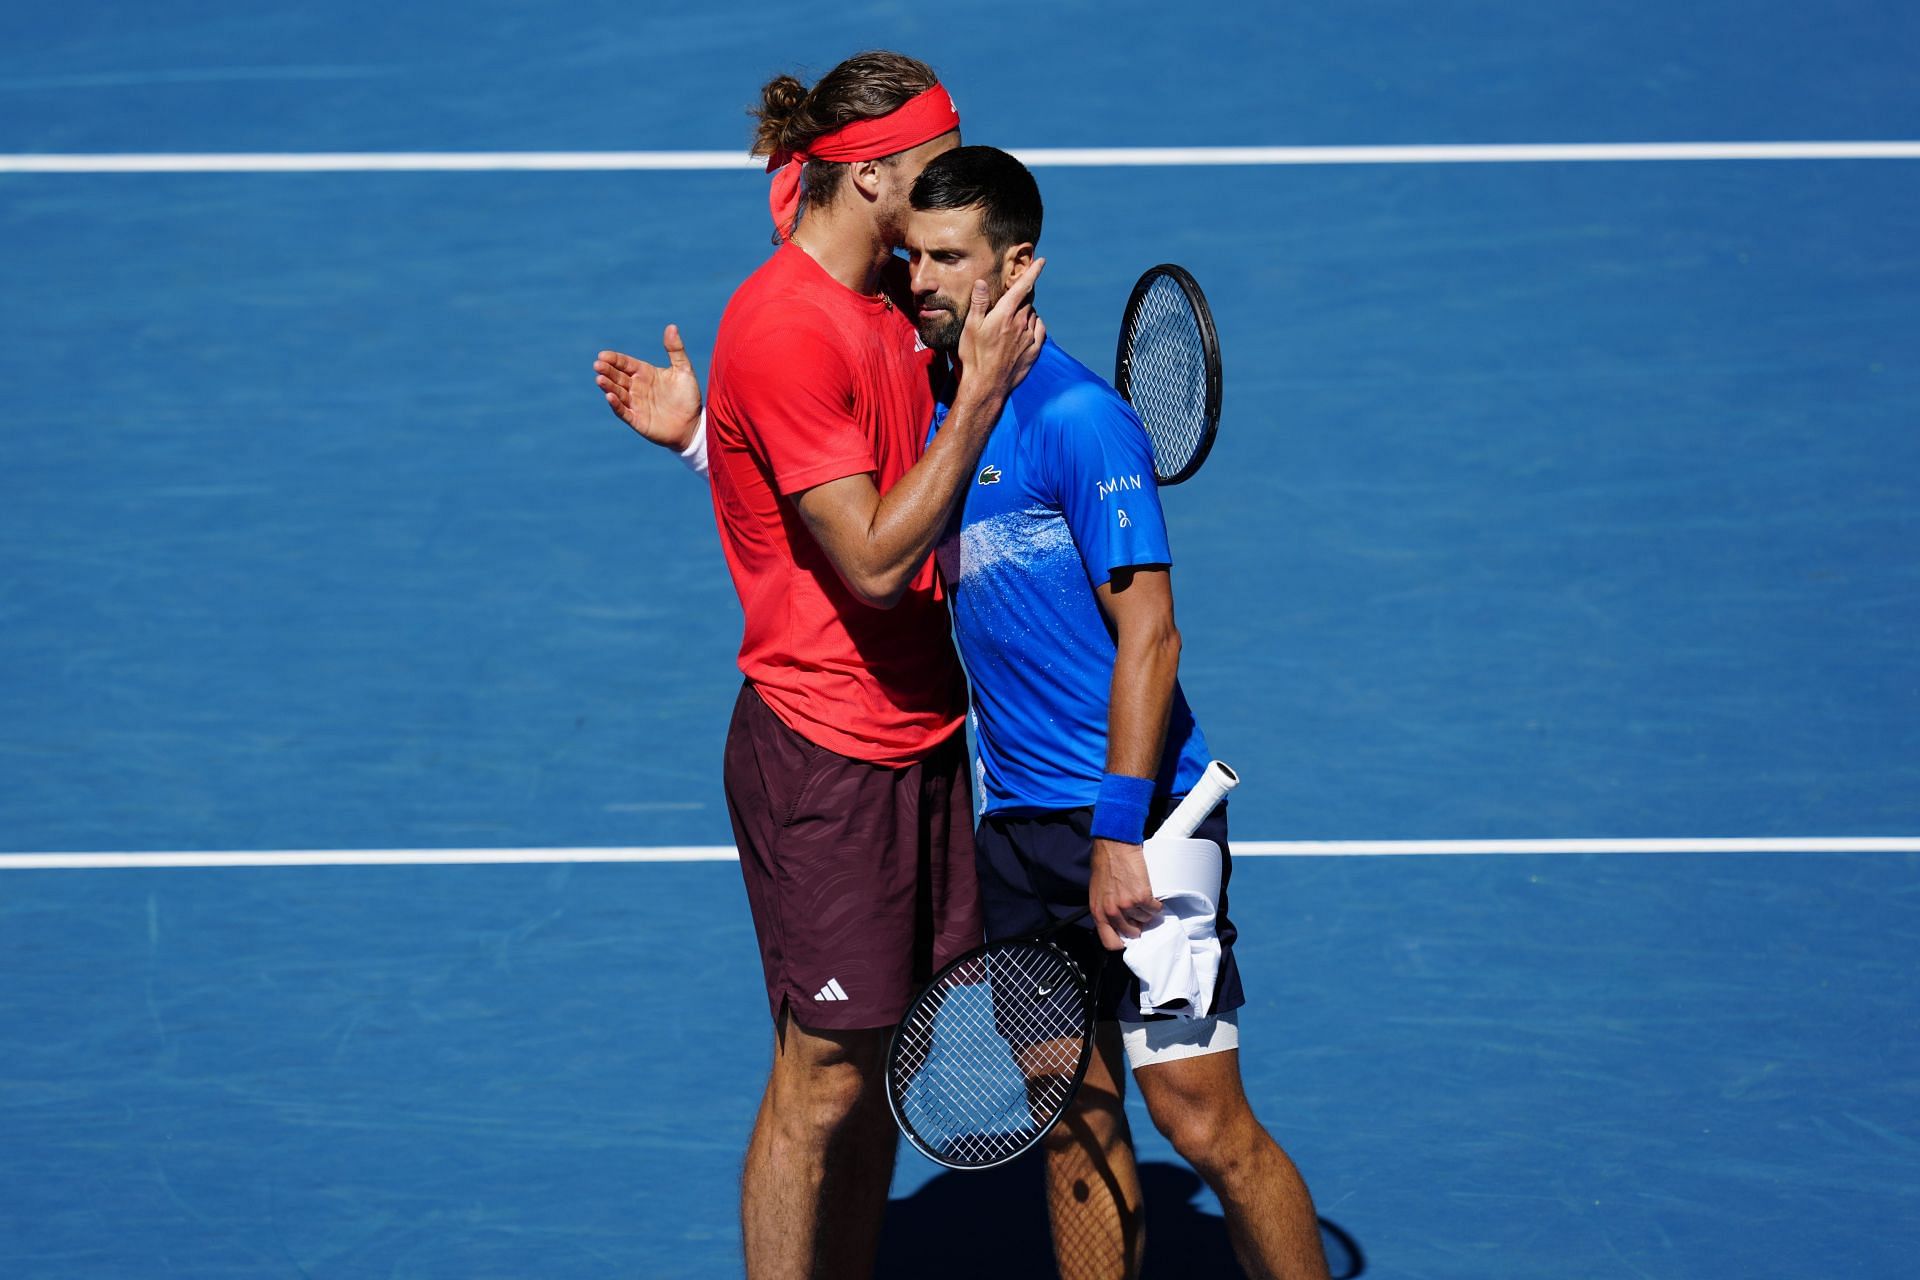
column 813, row 382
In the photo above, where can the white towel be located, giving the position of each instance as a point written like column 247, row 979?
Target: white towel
column 1177, row 955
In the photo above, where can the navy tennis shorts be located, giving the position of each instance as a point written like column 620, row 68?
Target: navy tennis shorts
column 1035, row 869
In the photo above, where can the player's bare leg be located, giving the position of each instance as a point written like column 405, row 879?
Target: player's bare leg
column 1093, row 1186
column 1199, row 1104
column 820, row 1161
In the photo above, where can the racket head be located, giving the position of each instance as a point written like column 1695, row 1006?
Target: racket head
column 987, row 1058
column 1167, row 367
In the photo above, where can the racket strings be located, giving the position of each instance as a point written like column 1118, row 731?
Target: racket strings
column 1167, row 375
column 982, row 1068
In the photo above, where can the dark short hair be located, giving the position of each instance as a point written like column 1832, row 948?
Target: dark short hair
column 990, row 180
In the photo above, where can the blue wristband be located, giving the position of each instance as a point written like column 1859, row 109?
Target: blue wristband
column 1120, row 812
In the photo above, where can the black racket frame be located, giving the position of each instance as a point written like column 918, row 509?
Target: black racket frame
column 1209, row 347
column 1043, row 936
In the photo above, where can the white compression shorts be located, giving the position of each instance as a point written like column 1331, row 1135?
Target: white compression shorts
column 1173, row 1038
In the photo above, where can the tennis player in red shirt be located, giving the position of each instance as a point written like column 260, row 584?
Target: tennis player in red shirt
column 846, row 764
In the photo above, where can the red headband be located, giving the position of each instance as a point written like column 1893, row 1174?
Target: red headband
column 921, row 118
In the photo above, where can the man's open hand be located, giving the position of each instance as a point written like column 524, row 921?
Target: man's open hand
column 663, row 405
column 1000, row 343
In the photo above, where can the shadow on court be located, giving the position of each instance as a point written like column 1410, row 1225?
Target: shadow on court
column 920, row 1238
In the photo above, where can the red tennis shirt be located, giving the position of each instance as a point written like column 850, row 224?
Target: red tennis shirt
column 812, row 382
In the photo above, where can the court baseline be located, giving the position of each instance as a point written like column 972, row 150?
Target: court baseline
column 1038, row 157
column 726, row 853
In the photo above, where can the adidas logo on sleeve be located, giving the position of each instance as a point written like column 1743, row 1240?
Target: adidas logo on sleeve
column 832, row 991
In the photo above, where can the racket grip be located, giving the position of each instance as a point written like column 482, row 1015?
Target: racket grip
column 1200, row 802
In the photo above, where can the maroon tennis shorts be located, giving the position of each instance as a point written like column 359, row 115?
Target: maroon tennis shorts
column 860, row 877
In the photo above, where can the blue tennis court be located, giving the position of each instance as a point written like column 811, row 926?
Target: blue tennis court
column 1553, row 501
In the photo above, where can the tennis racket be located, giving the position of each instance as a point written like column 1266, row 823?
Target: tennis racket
column 1168, row 368
column 989, row 1054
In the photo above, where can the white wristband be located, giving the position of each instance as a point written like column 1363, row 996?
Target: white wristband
column 695, row 454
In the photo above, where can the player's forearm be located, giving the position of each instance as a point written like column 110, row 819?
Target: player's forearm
column 1137, row 602
column 1145, row 671
column 997, row 349
column 1120, row 890
column 910, row 517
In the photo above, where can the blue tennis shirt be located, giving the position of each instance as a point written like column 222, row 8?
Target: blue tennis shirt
column 1062, row 496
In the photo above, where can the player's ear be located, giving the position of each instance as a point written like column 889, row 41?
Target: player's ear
column 1013, row 262
column 865, row 174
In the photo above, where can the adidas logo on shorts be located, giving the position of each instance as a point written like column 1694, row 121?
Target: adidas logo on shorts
column 832, row 991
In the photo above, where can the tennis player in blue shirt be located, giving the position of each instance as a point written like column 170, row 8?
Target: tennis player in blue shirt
column 1058, row 568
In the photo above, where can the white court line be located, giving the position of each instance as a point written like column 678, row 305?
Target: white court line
column 726, row 853
column 1038, row 157
column 1406, row 848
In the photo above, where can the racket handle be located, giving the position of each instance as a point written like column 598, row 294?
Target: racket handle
column 1200, row 802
